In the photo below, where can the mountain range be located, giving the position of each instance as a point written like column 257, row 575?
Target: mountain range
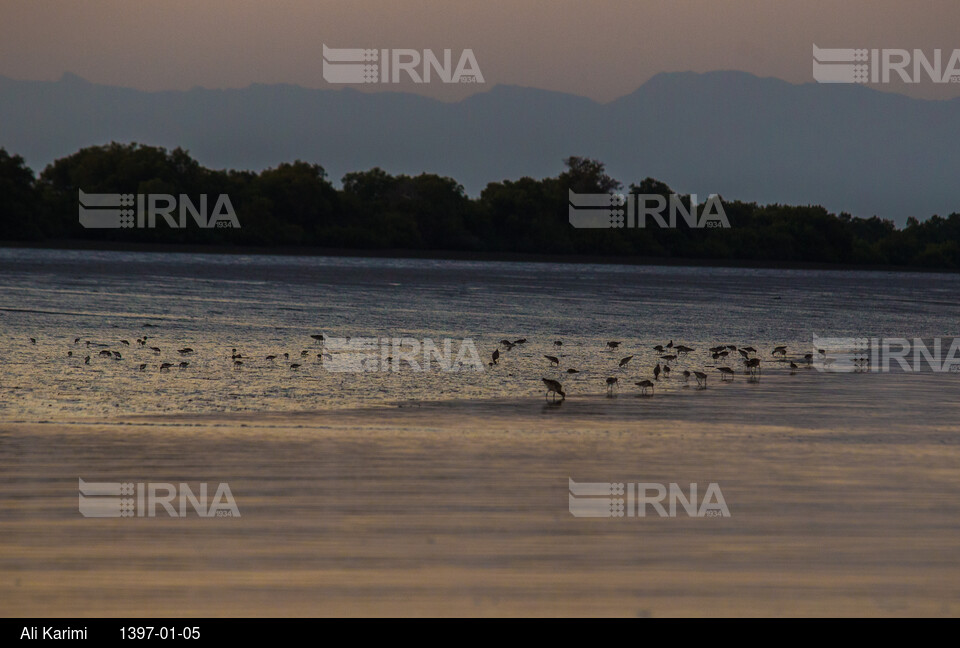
column 846, row 147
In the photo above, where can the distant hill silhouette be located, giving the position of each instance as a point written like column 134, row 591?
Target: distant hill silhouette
column 848, row 148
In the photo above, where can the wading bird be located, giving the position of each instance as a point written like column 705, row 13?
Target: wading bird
column 701, row 379
column 780, row 350
column 294, row 366
column 571, row 370
column 611, row 384
column 555, row 388
column 520, row 341
column 555, row 361
column 644, row 385
column 165, row 366
column 124, row 343
column 680, row 349
column 496, row 356
column 185, row 351
column 725, row 372
column 184, row 365
column 656, row 372
column 86, row 360
column 625, row 361
column 318, row 337
column 143, row 366
column 612, row 345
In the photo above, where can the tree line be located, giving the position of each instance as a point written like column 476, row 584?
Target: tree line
column 296, row 204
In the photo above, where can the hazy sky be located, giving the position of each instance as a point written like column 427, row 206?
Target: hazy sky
column 601, row 49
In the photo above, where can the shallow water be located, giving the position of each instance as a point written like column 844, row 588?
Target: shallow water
column 414, row 493
column 269, row 305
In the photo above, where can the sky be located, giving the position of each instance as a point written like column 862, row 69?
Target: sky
column 600, row 49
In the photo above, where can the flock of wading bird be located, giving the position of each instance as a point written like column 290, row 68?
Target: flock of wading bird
column 142, row 342
column 667, row 354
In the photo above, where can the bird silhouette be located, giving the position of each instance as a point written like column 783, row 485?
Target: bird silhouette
column 555, row 388
column 611, row 384
column 644, row 385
